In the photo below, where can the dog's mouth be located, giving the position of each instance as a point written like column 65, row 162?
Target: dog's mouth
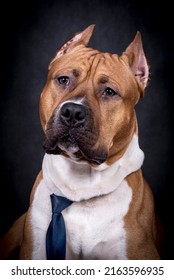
column 75, row 147
column 67, row 145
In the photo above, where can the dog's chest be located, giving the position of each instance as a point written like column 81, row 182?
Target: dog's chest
column 95, row 229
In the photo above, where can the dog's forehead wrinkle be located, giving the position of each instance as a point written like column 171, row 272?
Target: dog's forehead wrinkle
column 94, row 63
column 103, row 63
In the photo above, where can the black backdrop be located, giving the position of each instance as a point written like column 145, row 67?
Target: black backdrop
column 31, row 32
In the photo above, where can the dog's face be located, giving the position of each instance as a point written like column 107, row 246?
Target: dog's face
column 87, row 105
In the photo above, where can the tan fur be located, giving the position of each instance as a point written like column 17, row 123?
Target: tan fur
column 140, row 221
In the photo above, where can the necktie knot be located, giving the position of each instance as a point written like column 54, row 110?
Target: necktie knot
column 59, row 203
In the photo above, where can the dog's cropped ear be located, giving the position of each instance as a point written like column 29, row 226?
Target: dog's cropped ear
column 136, row 59
column 81, row 38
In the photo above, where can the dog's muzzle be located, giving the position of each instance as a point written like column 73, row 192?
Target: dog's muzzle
column 71, row 131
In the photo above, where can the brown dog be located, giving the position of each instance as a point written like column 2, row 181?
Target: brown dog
column 92, row 158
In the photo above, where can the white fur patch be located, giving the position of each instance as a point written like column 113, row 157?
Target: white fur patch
column 76, row 100
column 95, row 228
column 94, row 222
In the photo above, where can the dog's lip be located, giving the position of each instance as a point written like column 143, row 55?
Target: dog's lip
column 72, row 149
column 68, row 146
column 75, row 154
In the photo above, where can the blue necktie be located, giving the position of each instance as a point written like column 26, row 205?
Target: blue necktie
column 56, row 234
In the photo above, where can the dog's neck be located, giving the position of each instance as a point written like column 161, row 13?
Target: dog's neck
column 79, row 181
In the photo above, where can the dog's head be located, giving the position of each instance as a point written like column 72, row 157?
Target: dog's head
column 87, row 104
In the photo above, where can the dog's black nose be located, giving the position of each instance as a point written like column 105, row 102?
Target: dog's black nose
column 73, row 114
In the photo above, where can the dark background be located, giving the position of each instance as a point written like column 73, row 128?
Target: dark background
column 31, row 32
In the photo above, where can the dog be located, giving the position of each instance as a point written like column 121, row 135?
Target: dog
column 92, row 158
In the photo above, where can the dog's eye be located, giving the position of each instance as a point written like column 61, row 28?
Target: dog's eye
column 63, row 80
column 110, row 92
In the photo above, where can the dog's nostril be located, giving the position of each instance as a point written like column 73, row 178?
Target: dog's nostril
column 73, row 114
column 79, row 116
column 66, row 113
